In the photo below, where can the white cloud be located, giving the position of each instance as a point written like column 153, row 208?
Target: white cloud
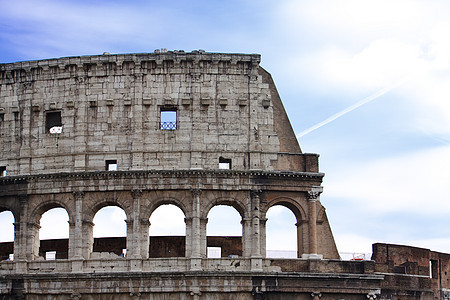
column 416, row 182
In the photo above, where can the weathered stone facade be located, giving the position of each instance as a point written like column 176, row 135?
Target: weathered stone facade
column 142, row 130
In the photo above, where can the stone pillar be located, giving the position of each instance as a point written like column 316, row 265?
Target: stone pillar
column 203, row 237
column 34, row 241
column 300, row 249
column 76, row 234
column 246, row 237
column 88, row 238
column 20, row 231
column 196, row 263
column 76, row 240
column 188, row 243
column 144, row 238
column 313, row 196
column 133, row 242
column 256, row 258
column 263, row 223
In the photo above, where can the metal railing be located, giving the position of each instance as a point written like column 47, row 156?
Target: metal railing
column 168, row 125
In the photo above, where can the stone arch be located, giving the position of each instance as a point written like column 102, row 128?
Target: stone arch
column 321, row 216
column 92, row 204
column 163, row 201
column 234, row 202
column 227, row 244
column 98, row 204
column 300, row 215
column 45, row 206
column 15, row 214
column 33, row 226
column 289, row 203
column 166, row 245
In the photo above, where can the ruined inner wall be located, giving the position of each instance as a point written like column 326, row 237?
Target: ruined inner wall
column 110, row 109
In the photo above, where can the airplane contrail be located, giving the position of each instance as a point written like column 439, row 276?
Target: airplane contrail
column 352, row 107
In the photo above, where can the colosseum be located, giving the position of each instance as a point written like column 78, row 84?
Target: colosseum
column 195, row 130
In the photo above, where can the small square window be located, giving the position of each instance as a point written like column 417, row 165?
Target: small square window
column 168, row 119
column 224, row 163
column 111, row 165
column 2, row 171
column 53, row 123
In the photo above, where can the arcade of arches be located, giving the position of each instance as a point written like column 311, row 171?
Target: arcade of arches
column 138, row 206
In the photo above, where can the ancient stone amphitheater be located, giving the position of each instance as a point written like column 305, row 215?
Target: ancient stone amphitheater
column 195, row 130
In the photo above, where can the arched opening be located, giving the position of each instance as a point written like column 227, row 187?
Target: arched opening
column 224, row 232
column 54, row 234
column 6, row 235
column 167, row 232
column 110, row 233
column 281, row 233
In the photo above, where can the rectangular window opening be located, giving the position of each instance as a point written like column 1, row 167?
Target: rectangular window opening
column 53, row 123
column 168, row 119
column 434, row 268
column 2, row 171
column 214, row 252
column 111, row 165
column 50, row 255
column 224, row 163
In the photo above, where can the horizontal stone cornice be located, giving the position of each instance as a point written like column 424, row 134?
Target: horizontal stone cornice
column 165, row 173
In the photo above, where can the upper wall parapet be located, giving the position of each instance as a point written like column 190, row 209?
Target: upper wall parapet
column 173, row 62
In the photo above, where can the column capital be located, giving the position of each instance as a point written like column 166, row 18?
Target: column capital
column 314, row 193
column 255, row 193
column 23, row 199
column 78, row 195
column 316, row 295
column 136, row 193
column 196, row 192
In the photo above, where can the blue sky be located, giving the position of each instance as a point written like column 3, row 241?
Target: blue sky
column 386, row 162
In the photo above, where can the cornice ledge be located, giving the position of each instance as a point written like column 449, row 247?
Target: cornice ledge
column 145, row 173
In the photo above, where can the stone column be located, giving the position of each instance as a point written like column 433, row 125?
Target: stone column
column 196, row 263
column 76, row 244
column 33, row 239
column 300, row 249
column 20, row 231
column 133, row 242
column 188, row 222
column 144, row 238
column 246, row 237
column 88, row 238
column 263, row 222
column 203, row 237
column 313, row 196
column 256, row 258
